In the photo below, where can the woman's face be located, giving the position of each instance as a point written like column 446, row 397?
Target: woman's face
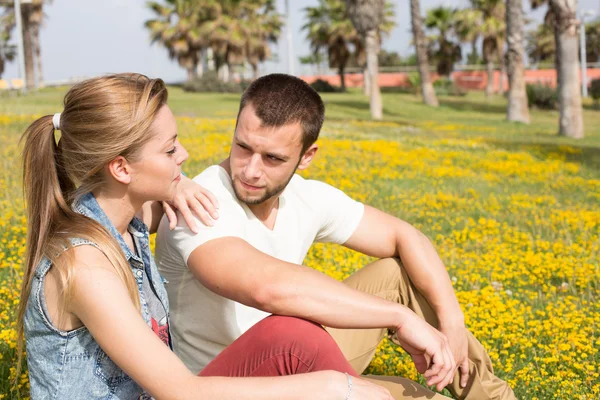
column 157, row 169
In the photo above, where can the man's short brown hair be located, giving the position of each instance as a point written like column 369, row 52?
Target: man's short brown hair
column 280, row 99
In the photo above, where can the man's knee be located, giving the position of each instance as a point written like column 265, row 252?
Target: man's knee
column 277, row 329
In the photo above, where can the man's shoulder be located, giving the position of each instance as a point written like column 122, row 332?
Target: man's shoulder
column 307, row 188
column 216, row 180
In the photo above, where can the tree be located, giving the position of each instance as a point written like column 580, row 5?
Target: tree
column 493, row 31
column 562, row 17
column 7, row 52
column 467, row 23
column 420, row 41
column 36, row 19
column 265, row 27
column 442, row 49
column 517, row 109
column 567, row 45
column 592, row 41
column 32, row 16
column 367, row 16
column 177, row 28
column 235, row 31
column 540, row 44
column 328, row 28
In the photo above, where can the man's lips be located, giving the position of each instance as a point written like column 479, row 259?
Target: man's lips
column 249, row 187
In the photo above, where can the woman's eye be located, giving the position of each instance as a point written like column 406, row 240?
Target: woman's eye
column 172, row 151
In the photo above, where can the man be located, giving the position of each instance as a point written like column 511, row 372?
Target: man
column 227, row 277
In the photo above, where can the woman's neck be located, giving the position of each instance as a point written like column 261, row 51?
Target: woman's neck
column 118, row 207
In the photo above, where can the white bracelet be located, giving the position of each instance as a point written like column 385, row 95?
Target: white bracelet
column 349, row 386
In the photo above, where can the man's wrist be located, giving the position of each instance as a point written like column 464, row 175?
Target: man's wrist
column 451, row 319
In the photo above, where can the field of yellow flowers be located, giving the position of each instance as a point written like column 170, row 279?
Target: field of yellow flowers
column 517, row 225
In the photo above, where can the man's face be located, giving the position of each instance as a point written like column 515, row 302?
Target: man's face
column 263, row 159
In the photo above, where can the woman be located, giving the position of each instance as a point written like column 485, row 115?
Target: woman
column 96, row 316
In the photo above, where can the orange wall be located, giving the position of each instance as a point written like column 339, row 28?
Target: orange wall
column 470, row 80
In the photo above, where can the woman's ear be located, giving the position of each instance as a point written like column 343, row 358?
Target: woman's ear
column 307, row 158
column 120, row 170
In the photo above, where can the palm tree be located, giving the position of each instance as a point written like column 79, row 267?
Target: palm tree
column 7, row 52
column 32, row 14
column 328, row 28
column 367, row 16
column 442, row 49
column 517, row 109
column 427, row 90
column 36, row 20
column 467, row 23
column 562, row 17
column 265, row 24
column 540, row 44
column 592, row 41
column 177, row 27
column 493, row 30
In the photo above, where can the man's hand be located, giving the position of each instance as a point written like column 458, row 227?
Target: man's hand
column 192, row 197
column 429, row 349
column 457, row 337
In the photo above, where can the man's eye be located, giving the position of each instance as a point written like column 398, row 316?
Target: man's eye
column 273, row 158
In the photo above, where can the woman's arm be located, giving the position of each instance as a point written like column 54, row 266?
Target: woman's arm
column 101, row 302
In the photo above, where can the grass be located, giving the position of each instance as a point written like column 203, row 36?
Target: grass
column 511, row 208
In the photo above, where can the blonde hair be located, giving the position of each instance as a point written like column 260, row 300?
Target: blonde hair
column 102, row 118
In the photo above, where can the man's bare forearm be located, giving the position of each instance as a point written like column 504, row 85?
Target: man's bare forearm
column 234, row 269
column 428, row 273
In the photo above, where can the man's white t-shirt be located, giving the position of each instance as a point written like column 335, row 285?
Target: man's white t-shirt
column 204, row 323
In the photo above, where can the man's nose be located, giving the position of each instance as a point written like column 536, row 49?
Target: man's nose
column 253, row 168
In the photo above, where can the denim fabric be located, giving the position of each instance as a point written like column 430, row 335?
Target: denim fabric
column 71, row 365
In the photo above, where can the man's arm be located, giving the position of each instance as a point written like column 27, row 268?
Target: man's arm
column 234, row 269
column 382, row 235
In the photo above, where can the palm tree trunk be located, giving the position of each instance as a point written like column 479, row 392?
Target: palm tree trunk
column 372, row 49
column 191, row 73
column 342, row 75
column 366, row 82
column 254, row 71
column 502, row 73
column 28, row 46
column 427, row 90
column 567, row 50
column 517, row 109
column 489, row 89
column 38, row 56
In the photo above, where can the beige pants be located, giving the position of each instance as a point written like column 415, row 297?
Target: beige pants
column 387, row 279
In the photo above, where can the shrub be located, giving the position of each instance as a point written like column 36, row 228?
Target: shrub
column 414, row 80
column 209, row 82
column 595, row 91
column 542, row 96
column 322, row 86
column 446, row 87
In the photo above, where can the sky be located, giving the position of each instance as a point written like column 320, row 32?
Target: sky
column 85, row 38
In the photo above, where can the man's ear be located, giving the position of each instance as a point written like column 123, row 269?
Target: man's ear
column 120, row 170
column 307, row 158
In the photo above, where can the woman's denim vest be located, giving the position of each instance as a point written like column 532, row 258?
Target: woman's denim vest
column 71, row 365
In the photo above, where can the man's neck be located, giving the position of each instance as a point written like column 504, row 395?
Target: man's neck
column 266, row 212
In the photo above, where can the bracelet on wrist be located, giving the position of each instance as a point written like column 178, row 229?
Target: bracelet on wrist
column 349, row 377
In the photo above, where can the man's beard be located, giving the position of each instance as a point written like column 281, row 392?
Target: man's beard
column 270, row 193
